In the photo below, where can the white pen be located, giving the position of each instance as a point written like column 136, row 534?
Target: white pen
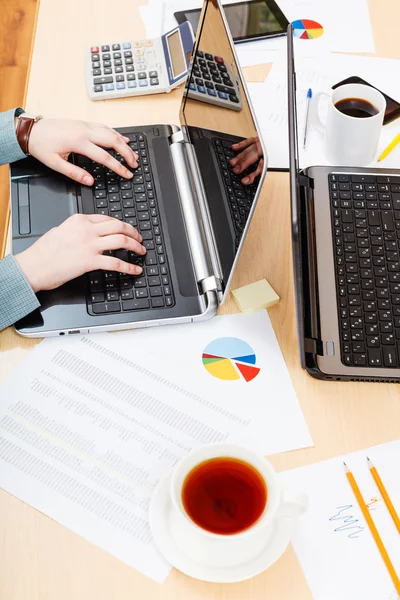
column 308, row 100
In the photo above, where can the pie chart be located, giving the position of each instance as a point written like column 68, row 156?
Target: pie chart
column 230, row 358
column 305, row 29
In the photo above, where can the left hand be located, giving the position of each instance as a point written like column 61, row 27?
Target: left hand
column 52, row 140
column 251, row 151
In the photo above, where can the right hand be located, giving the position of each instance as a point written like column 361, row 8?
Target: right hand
column 75, row 247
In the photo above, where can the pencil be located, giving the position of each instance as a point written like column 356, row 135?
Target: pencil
column 388, row 150
column 384, row 494
column 372, row 528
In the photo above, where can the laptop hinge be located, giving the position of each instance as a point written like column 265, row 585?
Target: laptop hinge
column 313, row 346
column 306, row 181
column 191, row 203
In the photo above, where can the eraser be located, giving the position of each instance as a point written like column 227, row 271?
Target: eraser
column 255, row 296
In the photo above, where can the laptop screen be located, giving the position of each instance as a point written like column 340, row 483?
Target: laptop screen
column 216, row 114
column 295, row 196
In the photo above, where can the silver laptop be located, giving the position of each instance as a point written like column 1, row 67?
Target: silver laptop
column 346, row 243
column 192, row 211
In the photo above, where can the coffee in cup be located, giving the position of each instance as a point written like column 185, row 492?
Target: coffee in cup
column 356, row 107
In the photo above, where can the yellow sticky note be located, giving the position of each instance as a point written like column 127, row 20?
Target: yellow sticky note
column 255, row 296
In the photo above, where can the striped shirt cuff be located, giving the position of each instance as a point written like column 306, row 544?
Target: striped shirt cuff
column 10, row 150
column 17, row 298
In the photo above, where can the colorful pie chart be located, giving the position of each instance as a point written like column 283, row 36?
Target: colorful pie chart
column 230, row 358
column 305, row 29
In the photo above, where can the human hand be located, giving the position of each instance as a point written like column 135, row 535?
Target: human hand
column 251, row 151
column 52, row 140
column 75, row 247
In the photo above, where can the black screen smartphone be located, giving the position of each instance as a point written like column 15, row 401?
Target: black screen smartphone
column 251, row 20
column 392, row 111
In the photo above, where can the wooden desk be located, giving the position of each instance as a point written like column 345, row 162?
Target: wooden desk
column 40, row 559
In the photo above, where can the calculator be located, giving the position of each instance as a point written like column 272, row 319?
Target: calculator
column 135, row 68
column 212, row 81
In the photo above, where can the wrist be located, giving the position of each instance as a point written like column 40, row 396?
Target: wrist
column 29, row 270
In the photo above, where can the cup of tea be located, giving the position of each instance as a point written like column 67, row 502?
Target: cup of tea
column 226, row 500
column 353, row 123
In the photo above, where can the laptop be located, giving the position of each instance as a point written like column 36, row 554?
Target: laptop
column 345, row 242
column 192, row 211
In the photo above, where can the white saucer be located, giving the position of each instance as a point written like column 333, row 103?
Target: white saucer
column 160, row 528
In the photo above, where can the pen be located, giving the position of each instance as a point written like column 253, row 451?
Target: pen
column 388, row 150
column 308, row 100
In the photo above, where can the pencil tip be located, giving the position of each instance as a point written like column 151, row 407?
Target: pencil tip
column 369, row 460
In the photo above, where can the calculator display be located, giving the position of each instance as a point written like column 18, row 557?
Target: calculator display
column 176, row 53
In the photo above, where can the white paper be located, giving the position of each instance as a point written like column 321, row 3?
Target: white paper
column 88, row 426
column 270, row 103
column 347, row 25
column 276, row 423
column 332, row 540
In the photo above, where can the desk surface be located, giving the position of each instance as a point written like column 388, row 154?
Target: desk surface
column 40, row 559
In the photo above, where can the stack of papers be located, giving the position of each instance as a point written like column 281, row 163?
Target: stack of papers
column 270, row 103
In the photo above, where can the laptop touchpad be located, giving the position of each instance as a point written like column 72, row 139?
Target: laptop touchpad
column 44, row 202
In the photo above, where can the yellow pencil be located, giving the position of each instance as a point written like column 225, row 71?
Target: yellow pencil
column 384, row 494
column 372, row 528
column 388, row 150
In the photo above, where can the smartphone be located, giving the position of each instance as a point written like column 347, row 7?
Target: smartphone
column 392, row 107
column 250, row 20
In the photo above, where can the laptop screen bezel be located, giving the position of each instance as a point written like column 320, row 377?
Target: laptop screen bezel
column 295, row 198
column 185, row 129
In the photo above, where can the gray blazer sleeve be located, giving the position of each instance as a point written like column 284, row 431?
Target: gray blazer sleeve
column 17, row 298
column 10, row 150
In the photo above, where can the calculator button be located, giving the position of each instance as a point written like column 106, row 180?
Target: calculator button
column 106, row 57
column 209, row 56
column 211, row 92
column 95, row 57
column 126, row 45
column 119, row 70
column 201, row 89
column 222, row 68
column 154, row 81
column 98, row 88
column 120, row 78
column 153, row 74
column 106, row 63
column 132, row 84
column 100, row 80
column 94, row 49
column 142, row 75
column 219, row 60
column 137, row 44
column 131, row 77
column 117, row 62
column 147, row 43
column 96, row 65
column 129, row 68
column 105, row 48
column 96, row 72
column 233, row 98
column 192, row 86
column 128, row 61
column 223, row 95
column 128, row 54
column 200, row 54
column 116, row 47
column 139, row 53
column 107, row 71
column 117, row 55
column 109, row 87
column 143, row 83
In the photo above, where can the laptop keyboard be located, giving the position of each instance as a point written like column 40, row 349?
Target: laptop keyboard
column 366, row 229
column 133, row 201
column 240, row 196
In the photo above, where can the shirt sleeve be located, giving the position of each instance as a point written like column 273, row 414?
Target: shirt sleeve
column 17, row 299
column 10, row 150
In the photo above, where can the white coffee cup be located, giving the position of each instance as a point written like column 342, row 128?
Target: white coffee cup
column 350, row 141
column 218, row 550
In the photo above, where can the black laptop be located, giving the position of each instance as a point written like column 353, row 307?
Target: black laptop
column 346, row 257
column 191, row 209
